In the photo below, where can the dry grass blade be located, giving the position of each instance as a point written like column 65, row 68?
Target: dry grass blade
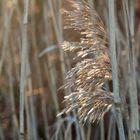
column 92, row 69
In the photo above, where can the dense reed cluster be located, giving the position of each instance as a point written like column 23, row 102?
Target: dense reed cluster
column 92, row 70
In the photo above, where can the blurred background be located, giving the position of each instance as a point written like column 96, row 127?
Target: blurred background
column 33, row 68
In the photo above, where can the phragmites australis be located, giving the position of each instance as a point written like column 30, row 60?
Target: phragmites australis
column 92, row 69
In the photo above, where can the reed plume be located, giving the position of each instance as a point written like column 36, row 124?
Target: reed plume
column 92, row 69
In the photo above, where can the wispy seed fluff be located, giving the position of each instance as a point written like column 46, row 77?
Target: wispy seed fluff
column 92, row 69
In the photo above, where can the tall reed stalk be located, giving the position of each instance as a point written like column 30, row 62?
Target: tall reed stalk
column 24, row 60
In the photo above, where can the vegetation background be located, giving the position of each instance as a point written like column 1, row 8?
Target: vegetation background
column 33, row 67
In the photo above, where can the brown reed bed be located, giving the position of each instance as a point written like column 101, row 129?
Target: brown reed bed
column 98, row 45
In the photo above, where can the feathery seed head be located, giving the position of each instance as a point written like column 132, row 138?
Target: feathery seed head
column 93, row 68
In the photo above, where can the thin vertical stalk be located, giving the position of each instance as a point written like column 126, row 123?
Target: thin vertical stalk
column 134, row 96
column 114, row 131
column 51, row 68
column 32, row 109
column 89, row 133
column 58, row 36
column 12, row 100
column 81, row 132
column 129, row 26
column 123, row 63
column 52, row 85
column 114, row 68
column 102, row 129
column 110, row 128
column 29, row 132
column 23, row 67
column 113, row 50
